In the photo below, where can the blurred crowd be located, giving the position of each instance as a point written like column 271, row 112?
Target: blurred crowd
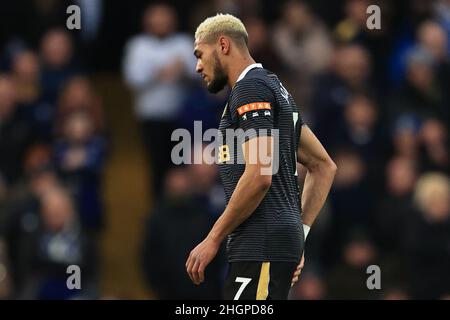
column 52, row 151
column 378, row 100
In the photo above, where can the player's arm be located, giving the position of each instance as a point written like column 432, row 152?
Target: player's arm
column 250, row 106
column 250, row 189
column 319, row 177
column 248, row 194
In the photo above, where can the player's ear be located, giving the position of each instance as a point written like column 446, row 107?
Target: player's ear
column 224, row 44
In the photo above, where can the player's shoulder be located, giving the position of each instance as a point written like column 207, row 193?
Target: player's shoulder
column 258, row 75
column 257, row 80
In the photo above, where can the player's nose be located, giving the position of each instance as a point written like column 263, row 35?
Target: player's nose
column 198, row 67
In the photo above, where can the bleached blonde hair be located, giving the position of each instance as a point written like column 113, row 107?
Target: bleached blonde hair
column 222, row 24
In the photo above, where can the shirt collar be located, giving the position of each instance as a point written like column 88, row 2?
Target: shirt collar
column 246, row 70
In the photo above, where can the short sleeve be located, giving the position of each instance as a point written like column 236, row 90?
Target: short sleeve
column 252, row 105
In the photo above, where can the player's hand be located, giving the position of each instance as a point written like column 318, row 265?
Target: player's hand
column 199, row 258
column 298, row 271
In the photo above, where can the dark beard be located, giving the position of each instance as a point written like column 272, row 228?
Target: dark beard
column 220, row 78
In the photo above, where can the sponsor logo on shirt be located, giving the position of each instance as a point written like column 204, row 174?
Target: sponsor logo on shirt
column 254, row 106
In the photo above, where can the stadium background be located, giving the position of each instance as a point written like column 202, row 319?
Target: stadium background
column 85, row 123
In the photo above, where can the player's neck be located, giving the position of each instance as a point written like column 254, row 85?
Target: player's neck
column 237, row 67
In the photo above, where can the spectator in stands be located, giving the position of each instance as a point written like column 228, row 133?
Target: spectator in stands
column 311, row 287
column 348, row 278
column 354, row 21
column 428, row 255
column 14, row 133
column 349, row 73
column 304, row 46
column 353, row 28
column 421, row 94
column 47, row 240
column 352, row 203
column 58, row 64
column 78, row 95
column 79, row 157
column 155, row 67
column 434, row 150
column 405, row 138
column 174, row 226
column 441, row 9
column 396, row 207
column 393, row 213
column 260, row 45
column 25, row 73
column 37, row 177
column 361, row 131
column 21, row 208
column 37, row 113
column 432, row 37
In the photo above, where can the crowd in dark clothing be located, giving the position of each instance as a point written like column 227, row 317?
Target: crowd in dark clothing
column 378, row 100
column 387, row 131
column 176, row 225
column 52, row 152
